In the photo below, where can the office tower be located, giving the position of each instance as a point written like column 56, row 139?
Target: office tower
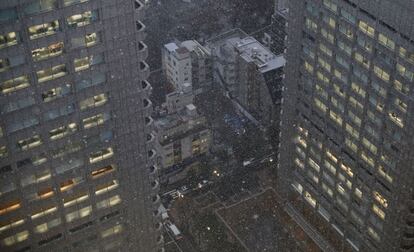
column 77, row 161
column 346, row 162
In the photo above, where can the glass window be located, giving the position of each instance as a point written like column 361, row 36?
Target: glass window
column 52, row 50
column 344, row 47
column 16, row 238
column 95, row 101
column 22, row 124
column 365, row 44
column 8, row 39
column 78, row 214
column 366, row 28
column 11, row 224
column 17, row 104
column 347, row 31
column 96, row 120
column 51, row 73
column 385, row 41
column 75, row 199
column 404, row 72
column 40, row 6
column 382, row 74
column 11, row 62
column 3, row 152
column 311, row 25
column 348, row 16
column 69, row 148
column 325, row 49
column 82, row 19
column 58, row 112
column 70, row 2
column 101, row 155
column 85, row 41
column 95, row 79
column 362, row 59
column 103, row 171
column 9, row 14
column 330, row 5
column 56, row 92
column 42, row 228
column 15, row 84
column 327, row 35
column 42, row 30
column 111, row 231
column 329, row 21
column 112, row 201
column 29, row 143
column 86, row 62
column 6, row 207
column 36, row 177
column 43, row 212
column 63, row 131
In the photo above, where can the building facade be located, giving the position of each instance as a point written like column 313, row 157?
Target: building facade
column 77, row 163
column 346, row 162
column 249, row 72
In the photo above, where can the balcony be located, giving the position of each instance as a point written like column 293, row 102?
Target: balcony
column 144, row 69
column 155, row 185
column 156, row 199
column 139, row 8
column 151, row 154
column 148, row 121
column 140, row 30
column 147, row 103
column 142, row 51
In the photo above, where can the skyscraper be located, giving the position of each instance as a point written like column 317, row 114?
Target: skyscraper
column 77, row 158
column 346, row 162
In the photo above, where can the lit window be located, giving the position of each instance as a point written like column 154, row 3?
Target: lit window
column 9, row 206
column 373, row 234
column 111, row 231
column 324, row 64
column 101, row 155
column 70, row 183
column 106, row 203
column 378, row 211
column 42, row 30
column 75, row 199
column 381, row 73
column 403, row 88
column 404, row 72
column 3, row 152
column 358, row 89
column 362, row 59
column 62, row 131
column 347, row 169
column 397, row 119
column 86, row 62
column 92, row 102
column 56, row 92
column 15, row 84
column 41, row 213
column 384, row 174
column 320, row 105
column 308, row 197
column 352, row 131
column 102, row 171
column 330, row 21
column 385, row 41
column 29, row 143
column 78, row 214
column 335, row 117
column 95, row 120
column 356, row 104
column 85, row 41
column 70, row 2
column 350, row 144
column 49, row 51
column 367, row 159
column 381, row 199
column 366, row 28
column 104, row 188
column 83, row 19
column 314, row 165
column 51, row 73
column 42, row 228
column 8, row 39
column 16, row 238
column 339, row 90
column 308, row 67
column 11, row 224
column 369, row 145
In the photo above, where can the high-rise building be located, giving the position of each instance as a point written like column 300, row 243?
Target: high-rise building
column 346, row 162
column 77, row 165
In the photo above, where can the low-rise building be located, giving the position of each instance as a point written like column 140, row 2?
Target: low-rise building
column 249, row 72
